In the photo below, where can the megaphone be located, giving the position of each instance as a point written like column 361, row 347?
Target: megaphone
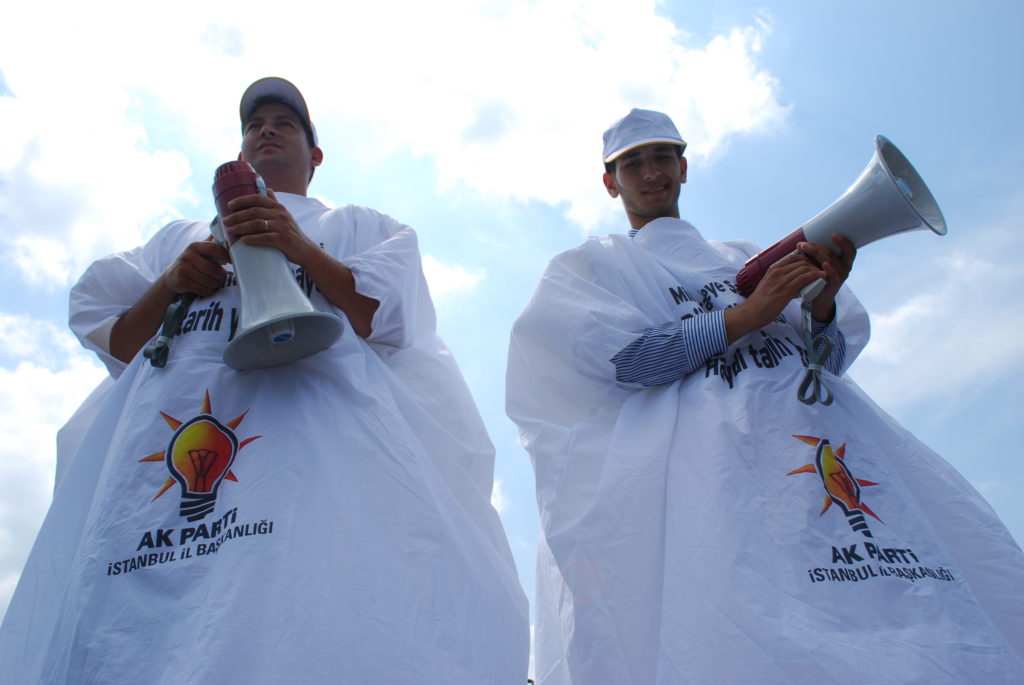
column 277, row 322
column 889, row 197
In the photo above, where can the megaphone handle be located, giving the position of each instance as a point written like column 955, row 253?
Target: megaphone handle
column 159, row 349
column 217, row 231
column 812, row 289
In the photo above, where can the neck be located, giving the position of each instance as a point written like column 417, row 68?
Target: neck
column 281, row 179
column 637, row 222
column 280, row 185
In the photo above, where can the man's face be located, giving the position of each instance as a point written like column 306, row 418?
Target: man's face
column 274, row 142
column 648, row 178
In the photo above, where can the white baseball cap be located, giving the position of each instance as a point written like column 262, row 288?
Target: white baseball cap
column 639, row 127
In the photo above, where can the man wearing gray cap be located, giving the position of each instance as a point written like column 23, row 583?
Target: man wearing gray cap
column 680, row 482
column 324, row 521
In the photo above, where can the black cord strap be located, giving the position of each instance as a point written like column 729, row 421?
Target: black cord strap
column 157, row 351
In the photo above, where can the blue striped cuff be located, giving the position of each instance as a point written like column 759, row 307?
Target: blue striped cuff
column 668, row 352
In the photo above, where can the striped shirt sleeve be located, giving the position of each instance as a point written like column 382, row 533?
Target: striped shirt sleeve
column 668, row 352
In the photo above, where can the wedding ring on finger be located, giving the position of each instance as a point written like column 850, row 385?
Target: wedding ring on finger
column 266, row 226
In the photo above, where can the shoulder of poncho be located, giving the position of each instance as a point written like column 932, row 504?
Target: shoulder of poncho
column 176, row 235
column 595, row 249
column 743, row 249
column 361, row 212
column 178, row 229
column 600, row 253
column 362, row 217
column 347, row 212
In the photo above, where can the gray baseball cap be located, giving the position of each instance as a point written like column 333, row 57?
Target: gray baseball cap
column 639, row 127
column 278, row 89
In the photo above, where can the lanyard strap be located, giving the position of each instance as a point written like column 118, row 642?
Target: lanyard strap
column 157, row 351
column 813, row 389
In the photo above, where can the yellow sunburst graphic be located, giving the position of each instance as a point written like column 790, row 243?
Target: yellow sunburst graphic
column 841, row 487
column 199, row 458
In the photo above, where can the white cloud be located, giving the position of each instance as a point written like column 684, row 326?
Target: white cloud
column 512, row 101
column 45, row 376
column 950, row 324
column 445, row 279
column 498, row 498
column 42, row 261
column 508, row 98
column 74, row 186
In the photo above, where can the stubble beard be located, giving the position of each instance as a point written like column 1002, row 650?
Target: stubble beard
column 668, row 208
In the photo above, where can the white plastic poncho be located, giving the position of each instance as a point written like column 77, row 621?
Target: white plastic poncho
column 350, row 538
column 688, row 533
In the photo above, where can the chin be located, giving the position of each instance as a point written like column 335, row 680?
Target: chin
column 659, row 211
column 263, row 165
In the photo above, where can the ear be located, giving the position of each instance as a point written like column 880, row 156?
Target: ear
column 317, row 156
column 610, row 185
column 682, row 168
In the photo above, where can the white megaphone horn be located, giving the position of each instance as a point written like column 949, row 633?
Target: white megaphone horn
column 889, row 197
column 277, row 322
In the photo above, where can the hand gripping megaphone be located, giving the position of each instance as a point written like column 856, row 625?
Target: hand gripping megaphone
column 277, row 322
column 889, row 197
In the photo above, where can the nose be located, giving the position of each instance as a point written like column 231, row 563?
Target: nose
column 650, row 170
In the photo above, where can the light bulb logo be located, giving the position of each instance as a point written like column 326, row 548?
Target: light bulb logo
column 841, row 488
column 199, row 458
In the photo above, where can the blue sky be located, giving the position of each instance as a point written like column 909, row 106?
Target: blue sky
column 480, row 125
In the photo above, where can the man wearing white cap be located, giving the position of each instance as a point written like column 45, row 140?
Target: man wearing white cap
column 680, row 482
column 326, row 521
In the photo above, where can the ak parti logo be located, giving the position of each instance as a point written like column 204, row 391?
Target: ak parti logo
column 199, row 458
column 841, row 487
